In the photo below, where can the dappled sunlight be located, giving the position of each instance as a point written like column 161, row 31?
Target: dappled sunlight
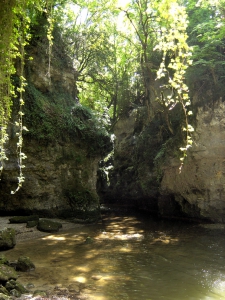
column 85, row 268
column 165, row 240
column 79, row 279
column 124, row 258
column 125, row 249
column 119, row 236
column 121, row 229
column 54, row 238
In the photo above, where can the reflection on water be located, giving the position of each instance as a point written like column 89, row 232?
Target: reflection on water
column 130, row 258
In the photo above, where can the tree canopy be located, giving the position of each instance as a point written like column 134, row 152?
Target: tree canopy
column 126, row 53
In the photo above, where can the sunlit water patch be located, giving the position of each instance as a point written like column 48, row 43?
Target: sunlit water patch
column 126, row 257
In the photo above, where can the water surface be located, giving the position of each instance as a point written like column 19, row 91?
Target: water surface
column 128, row 257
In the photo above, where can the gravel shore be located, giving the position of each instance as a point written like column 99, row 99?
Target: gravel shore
column 24, row 233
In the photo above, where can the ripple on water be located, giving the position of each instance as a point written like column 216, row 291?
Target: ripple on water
column 130, row 259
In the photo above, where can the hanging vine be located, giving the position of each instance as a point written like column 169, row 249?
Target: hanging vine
column 7, row 54
column 173, row 45
column 14, row 36
column 22, row 30
column 50, row 20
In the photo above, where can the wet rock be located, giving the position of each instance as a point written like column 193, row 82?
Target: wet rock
column 12, row 264
column 96, row 277
column 3, row 260
column 19, row 287
column 4, row 297
column 89, row 240
column 23, row 219
column 3, row 290
column 74, row 288
column 10, row 285
column 83, row 221
column 39, row 293
column 30, row 286
column 31, row 224
column 7, row 273
column 7, row 238
column 15, row 285
column 15, row 293
column 48, row 225
column 24, row 264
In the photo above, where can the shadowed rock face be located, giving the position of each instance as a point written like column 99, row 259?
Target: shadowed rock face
column 198, row 192
column 202, row 181
column 56, row 183
column 133, row 181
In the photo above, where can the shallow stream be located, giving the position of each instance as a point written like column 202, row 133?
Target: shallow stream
column 128, row 257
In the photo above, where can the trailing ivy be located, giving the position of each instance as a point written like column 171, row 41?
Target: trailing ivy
column 174, row 47
column 8, row 52
column 14, row 36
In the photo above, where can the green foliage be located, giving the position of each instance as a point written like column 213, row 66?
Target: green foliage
column 173, row 45
column 14, row 35
column 206, row 34
column 7, row 54
column 48, row 119
column 118, row 52
column 102, row 56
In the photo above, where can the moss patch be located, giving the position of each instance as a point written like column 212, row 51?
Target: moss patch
column 50, row 118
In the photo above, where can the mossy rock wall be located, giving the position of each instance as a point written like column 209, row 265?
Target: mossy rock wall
column 63, row 145
column 58, row 179
column 147, row 164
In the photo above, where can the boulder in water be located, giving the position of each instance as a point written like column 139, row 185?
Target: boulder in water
column 24, row 264
column 3, row 260
column 48, row 225
column 23, row 219
column 7, row 238
column 31, row 224
column 15, row 285
column 7, row 273
column 4, row 297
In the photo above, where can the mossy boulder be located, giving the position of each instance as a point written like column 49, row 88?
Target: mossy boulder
column 4, row 297
column 24, row 264
column 15, row 285
column 23, row 219
column 89, row 240
column 48, row 225
column 15, row 293
column 7, row 273
column 3, row 290
column 7, row 238
column 39, row 293
column 31, row 224
column 3, row 260
column 9, row 287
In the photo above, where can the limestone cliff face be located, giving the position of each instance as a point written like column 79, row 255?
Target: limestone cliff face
column 63, row 145
column 200, row 188
column 60, row 180
column 198, row 192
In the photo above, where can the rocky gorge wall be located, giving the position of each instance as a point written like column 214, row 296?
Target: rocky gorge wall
column 63, row 145
column 201, row 184
column 60, row 180
column 198, row 192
